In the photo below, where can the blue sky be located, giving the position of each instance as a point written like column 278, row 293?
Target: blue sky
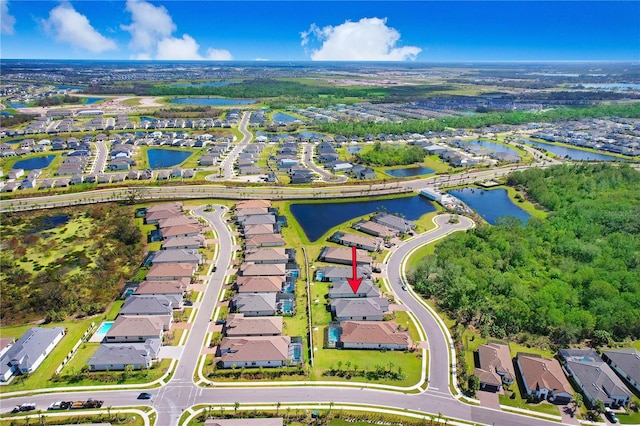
column 426, row 31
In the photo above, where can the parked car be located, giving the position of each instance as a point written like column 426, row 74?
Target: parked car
column 609, row 414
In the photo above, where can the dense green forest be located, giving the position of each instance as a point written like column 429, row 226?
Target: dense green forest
column 391, row 155
column 76, row 268
column 480, row 120
column 573, row 276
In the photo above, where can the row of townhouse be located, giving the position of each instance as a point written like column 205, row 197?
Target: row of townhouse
column 135, row 337
column 265, row 287
column 548, row 379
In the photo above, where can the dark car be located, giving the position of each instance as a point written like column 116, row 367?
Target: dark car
column 610, row 415
column 187, row 303
column 144, row 395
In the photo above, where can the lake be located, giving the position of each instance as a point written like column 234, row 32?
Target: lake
column 90, row 101
column 165, row 158
column 281, row 117
column 317, row 219
column 212, row 101
column 490, row 204
column 612, row 86
column 572, row 153
column 34, row 163
column 17, row 105
column 495, row 147
column 409, row 172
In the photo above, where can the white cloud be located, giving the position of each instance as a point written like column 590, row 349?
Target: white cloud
column 69, row 26
column 7, row 21
column 369, row 39
column 151, row 32
column 149, row 25
column 218, row 55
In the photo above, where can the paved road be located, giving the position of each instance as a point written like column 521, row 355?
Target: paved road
column 181, row 392
column 307, row 161
column 227, row 163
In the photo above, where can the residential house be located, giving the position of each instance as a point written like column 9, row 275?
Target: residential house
column 266, row 351
column 238, row 325
column 28, row 352
column 177, row 256
column 264, row 240
column 170, row 271
column 176, row 221
column 372, row 335
column 255, row 304
column 375, row 229
column 625, row 362
column 344, row 256
column 496, row 367
column 252, row 230
column 189, row 243
column 262, row 270
column 342, row 290
column 247, row 204
column 180, row 231
column 172, row 290
column 270, row 255
column 5, row 344
column 394, row 222
column 117, row 356
column 272, row 284
column 354, row 240
column 263, row 219
column 543, row 378
column 360, row 309
column 341, row 273
column 597, row 380
column 154, row 217
column 135, row 329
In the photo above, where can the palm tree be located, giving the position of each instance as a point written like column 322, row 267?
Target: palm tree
column 278, row 404
column 236, row 405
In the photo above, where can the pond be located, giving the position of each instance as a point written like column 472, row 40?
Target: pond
column 34, row 163
column 284, row 118
column 490, row 204
column 65, row 87
column 17, row 105
column 165, row 158
column 46, row 223
column 150, row 119
column 572, row 153
column 212, row 101
column 316, row 219
column 90, row 101
column 495, row 147
column 409, row 172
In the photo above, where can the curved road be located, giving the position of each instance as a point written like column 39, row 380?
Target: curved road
column 181, row 392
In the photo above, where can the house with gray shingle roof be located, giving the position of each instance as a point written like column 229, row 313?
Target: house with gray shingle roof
column 177, row 256
column 597, row 380
column 360, row 309
column 344, row 255
column 395, row 222
column 625, row 362
column 28, row 352
column 255, row 304
column 341, row 289
column 172, row 290
column 116, row 356
column 249, row 269
column 195, row 242
column 341, row 273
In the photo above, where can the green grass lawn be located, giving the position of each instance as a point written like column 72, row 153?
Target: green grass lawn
column 402, row 319
column 525, row 205
column 518, row 402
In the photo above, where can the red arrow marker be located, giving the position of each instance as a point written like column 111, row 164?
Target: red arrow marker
column 355, row 281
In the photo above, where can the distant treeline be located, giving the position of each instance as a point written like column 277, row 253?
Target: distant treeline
column 58, row 100
column 188, row 112
column 15, row 120
column 481, row 120
column 573, row 276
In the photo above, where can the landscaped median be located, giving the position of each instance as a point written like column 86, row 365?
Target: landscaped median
column 142, row 416
column 324, row 413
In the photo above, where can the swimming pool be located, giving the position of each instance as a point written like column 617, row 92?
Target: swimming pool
column 333, row 336
column 287, row 306
column 102, row 331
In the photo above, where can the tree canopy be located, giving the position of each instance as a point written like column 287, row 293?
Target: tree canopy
column 573, row 276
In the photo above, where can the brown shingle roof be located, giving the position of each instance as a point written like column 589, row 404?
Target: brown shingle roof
column 248, row 349
column 237, row 325
column 543, row 373
column 249, row 204
column 373, row 332
column 171, row 270
column 251, row 284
